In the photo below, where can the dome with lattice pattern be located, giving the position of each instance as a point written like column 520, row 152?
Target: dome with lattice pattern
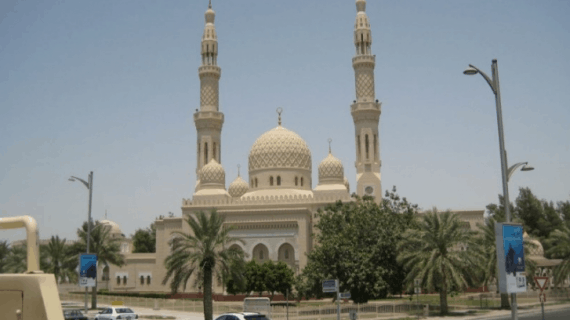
column 238, row 187
column 279, row 148
column 331, row 170
column 212, row 173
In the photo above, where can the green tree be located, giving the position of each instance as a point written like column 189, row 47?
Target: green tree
column 103, row 244
column 59, row 260
column 254, row 278
column 202, row 252
column 559, row 242
column 539, row 217
column 144, row 240
column 236, row 284
column 4, row 251
column 433, row 253
column 279, row 277
column 356, row 243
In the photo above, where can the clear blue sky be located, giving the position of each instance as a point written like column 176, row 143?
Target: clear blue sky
column 111, row 86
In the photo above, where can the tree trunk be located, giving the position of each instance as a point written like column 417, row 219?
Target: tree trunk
column 505, row 301
column 443, row 295
column 208, row 307
column 94, row 296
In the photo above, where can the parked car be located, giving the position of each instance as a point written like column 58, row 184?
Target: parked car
column 73, row 314
column 117, row 313
column 243, row 316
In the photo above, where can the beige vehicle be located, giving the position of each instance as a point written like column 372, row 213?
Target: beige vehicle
column 31, row 295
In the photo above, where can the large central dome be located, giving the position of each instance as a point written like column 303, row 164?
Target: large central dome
column 279, row 148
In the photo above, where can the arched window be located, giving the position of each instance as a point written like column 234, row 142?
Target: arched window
column 296, row 181
column 366, row 146
column 124, row 279
column 260, row 254
column 256, row 182
column 301, row 181
column 147, row 279
column 375, row 148
column 286, row 254
column 205, row 153
column 278, row 180
column 214, row 151
column 252, row 183
column 271, row 180
column 118, row 280
column 358, row 146
column 142, row 279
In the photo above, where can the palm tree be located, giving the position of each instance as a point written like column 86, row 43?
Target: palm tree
column 106, row 247
column 559, row 240
column 202, row 252
column 15, row 261
column 59, row 260
column 435, row 253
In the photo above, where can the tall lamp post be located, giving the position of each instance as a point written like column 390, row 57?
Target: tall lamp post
column 89, row 185
column 506, row 172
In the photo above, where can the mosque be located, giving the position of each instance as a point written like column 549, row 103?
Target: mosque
column 273, row 209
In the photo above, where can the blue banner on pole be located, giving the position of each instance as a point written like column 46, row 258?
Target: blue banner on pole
column 87, row 270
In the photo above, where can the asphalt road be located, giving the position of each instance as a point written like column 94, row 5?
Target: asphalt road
column 561, row 314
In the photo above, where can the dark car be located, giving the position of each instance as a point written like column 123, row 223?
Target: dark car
column 73, row 315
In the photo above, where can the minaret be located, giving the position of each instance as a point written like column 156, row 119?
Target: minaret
column 208, row 119
column 365, row 110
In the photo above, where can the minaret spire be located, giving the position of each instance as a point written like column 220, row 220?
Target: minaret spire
column 366, row 109
column 209, row 119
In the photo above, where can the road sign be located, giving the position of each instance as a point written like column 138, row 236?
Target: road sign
column 417, row 283
column 87, row 270
column 541, row 282
column 330, row 286
column 417, row 290
column 344, row 295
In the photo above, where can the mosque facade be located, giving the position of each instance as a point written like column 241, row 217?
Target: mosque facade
column 273, row 209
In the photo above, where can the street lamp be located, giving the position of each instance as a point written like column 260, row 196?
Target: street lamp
column 506, row 172
column 89, row 186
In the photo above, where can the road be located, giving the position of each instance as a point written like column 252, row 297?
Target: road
column 560, row 314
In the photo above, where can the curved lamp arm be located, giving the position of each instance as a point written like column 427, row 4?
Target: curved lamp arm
column 83, row 181
column 489, row 81
column 515, row 166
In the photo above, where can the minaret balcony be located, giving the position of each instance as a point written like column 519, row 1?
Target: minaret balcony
column 205, row 69
column 208, row 119
column 364, row 59
column 364, row 105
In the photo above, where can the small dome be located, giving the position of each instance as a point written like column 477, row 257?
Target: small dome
column 360, row 5
column 346, row 184
column 213, row 173
column 210, row 15
column 111, row 225
column 279, row 148
column 536, row 249
column 238, row 187
column 331, row 169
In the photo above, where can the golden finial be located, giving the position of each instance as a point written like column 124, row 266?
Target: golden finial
column 279, row 111
column 330, row 140
column 210, row 5
column 238, row 164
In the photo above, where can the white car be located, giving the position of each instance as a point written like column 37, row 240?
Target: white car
column 117, row 313
column 242, row 316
